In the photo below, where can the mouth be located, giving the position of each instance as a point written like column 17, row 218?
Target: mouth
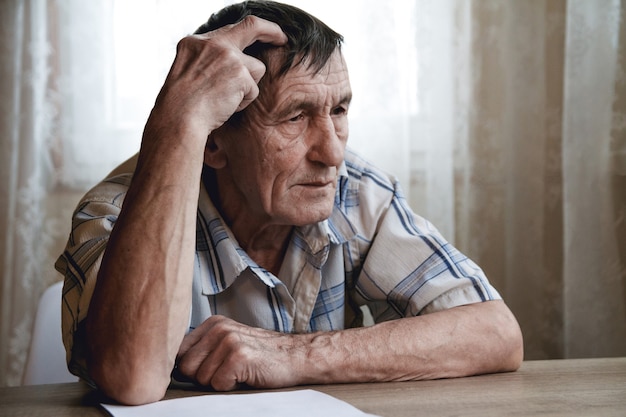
column 319, row 183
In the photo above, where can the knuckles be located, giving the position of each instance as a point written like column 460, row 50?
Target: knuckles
column 212, row 57
column 249, row 22
column 194, row 46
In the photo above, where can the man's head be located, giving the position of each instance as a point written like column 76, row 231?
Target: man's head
column 310, row 40
column 277, row 162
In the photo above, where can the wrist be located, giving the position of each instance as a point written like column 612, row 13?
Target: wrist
column 321, row 359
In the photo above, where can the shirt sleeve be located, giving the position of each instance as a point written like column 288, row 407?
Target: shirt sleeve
column 408, row 267
column 92, row 223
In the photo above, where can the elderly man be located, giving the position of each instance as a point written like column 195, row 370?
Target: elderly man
column 248, row 239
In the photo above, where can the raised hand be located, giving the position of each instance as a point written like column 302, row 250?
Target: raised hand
column 211, row 78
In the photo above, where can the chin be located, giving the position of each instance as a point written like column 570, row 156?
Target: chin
column 310, row 215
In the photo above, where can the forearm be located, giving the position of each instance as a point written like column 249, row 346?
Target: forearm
column 467, row 340
column 140, row 306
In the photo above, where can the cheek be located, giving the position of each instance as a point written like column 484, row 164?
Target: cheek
column 283, row 169
column 247, row 148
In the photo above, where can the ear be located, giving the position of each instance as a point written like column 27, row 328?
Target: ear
column 214, row 153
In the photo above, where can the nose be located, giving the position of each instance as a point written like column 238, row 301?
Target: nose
column 326, row 146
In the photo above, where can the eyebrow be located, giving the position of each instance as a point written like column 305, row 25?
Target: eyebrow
column 307, row 105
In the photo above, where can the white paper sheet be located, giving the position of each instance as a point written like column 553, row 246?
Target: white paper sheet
column 300, row 403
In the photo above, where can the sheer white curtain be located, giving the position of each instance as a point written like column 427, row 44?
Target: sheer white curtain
column 505, row 121
column 27, row 111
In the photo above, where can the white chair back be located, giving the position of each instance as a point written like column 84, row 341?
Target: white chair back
column 46, row 357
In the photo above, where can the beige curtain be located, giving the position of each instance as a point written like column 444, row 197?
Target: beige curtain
column 540, row 168
column 505, row 121
column 525, row 160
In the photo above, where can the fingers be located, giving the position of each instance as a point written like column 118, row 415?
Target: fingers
column 252, row 29
column 202, row 346
column 221, row 353
column 188, row 341
column 248, row 98
column 221, row 368
column 256, row 70
column 212, row 78
column 243, row 34
column 197, row 334
column 255, row 67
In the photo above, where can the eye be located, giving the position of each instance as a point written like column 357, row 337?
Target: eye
column 297, row 118
column 339, row 111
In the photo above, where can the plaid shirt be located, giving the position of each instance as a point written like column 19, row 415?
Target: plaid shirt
column 373, row 251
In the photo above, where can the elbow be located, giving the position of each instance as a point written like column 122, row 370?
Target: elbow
column 515, row 352
column 127, row 378
column 501, row 346
column 512, row 343
column 130, row 389
column 129, row 374
column 135, row 394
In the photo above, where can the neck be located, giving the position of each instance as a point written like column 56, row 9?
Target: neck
column 264, row 242
column 266, row 247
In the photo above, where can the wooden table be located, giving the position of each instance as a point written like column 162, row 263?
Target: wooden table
column 584, row 387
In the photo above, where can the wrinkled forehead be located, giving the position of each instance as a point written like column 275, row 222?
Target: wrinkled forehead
column 304, row 88
column 334, row 67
